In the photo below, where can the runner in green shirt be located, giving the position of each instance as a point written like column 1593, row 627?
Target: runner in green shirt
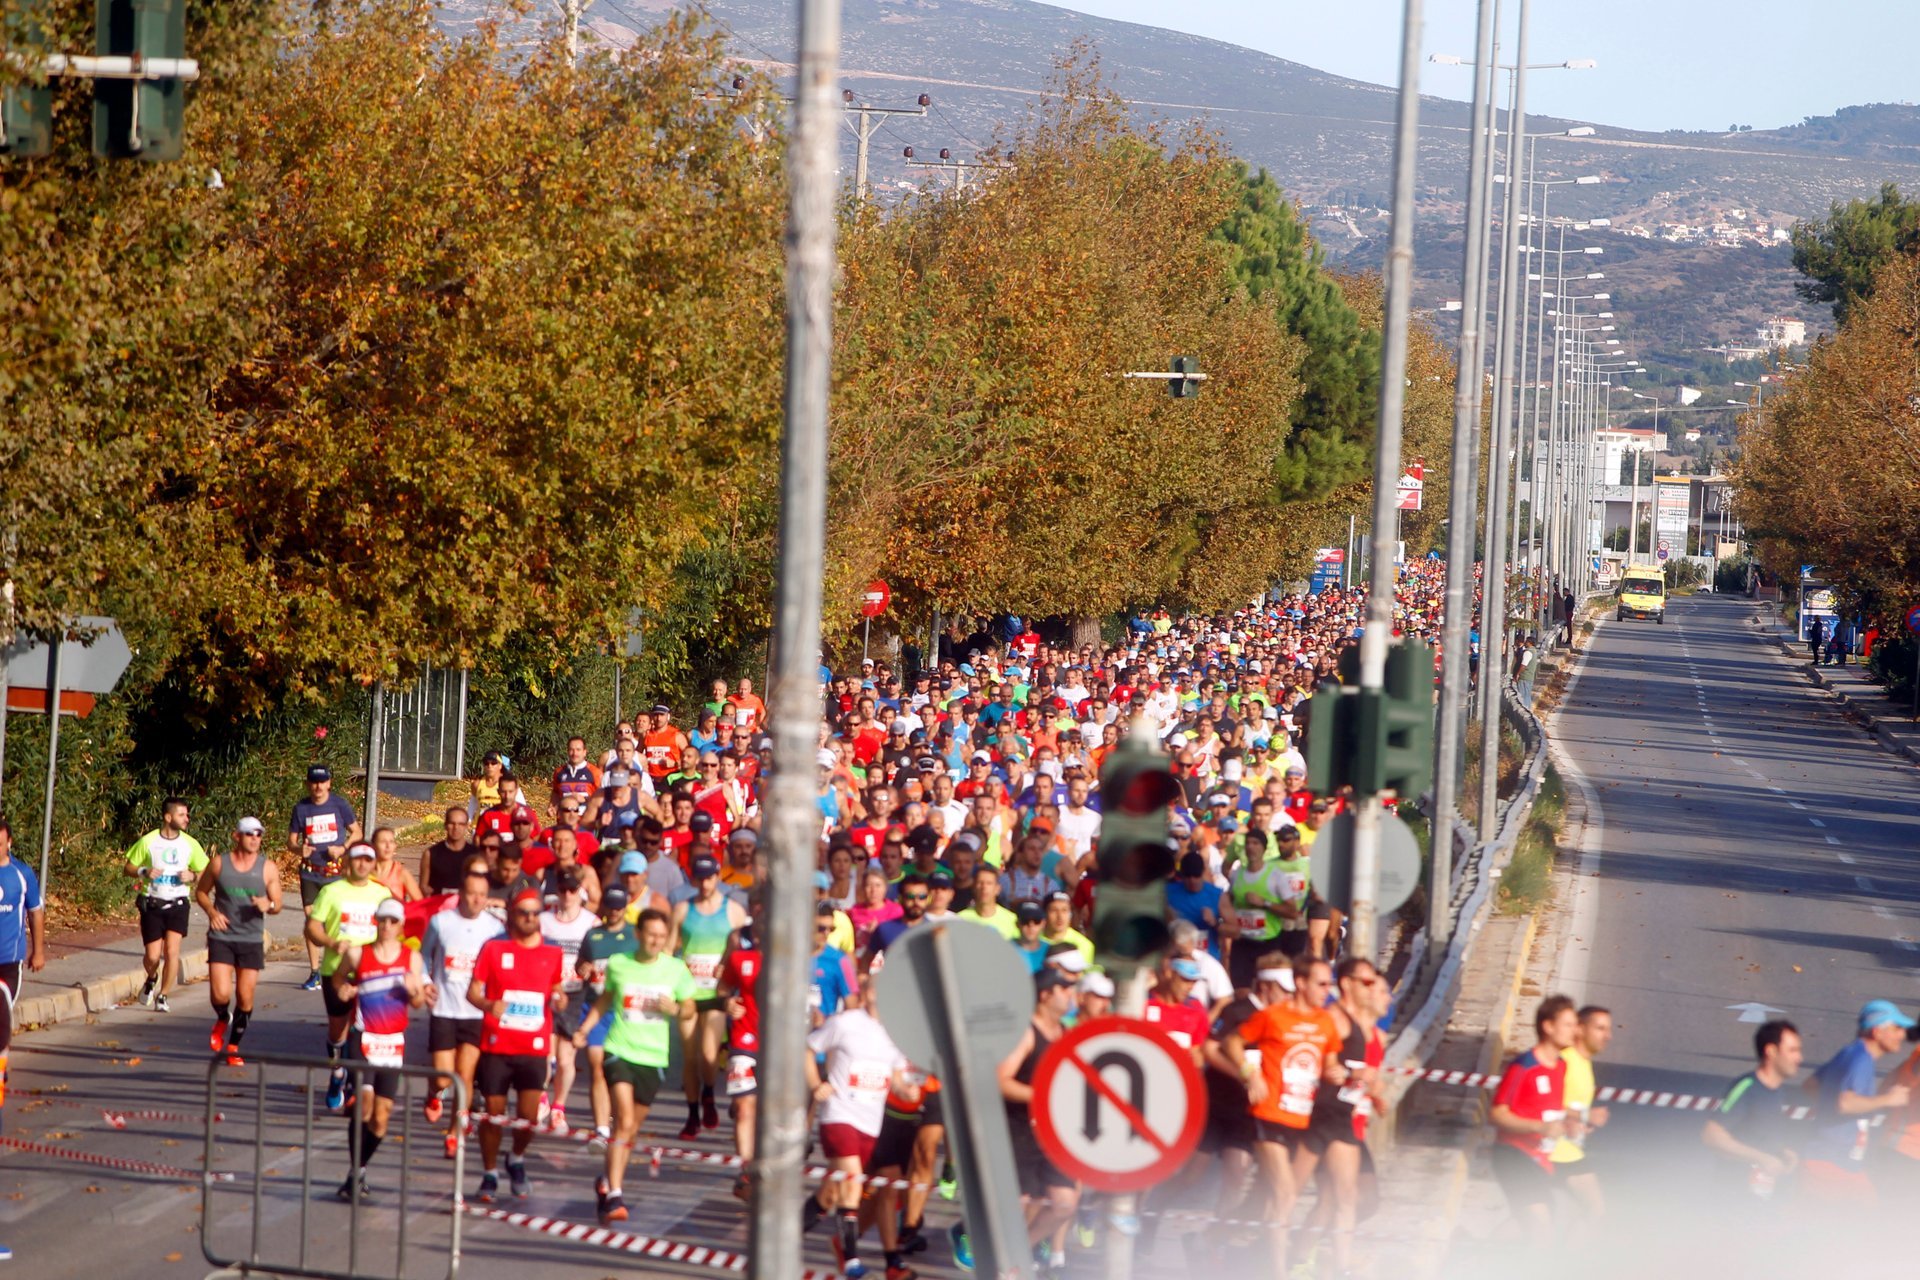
column 341, row 918
column 1269, row 909
column 167, row 861
column 644, row 997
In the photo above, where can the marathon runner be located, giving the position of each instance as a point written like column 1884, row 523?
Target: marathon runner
column 701, row 925
column 237, row 890
column 383, row 983
column 1760, row 1146
column 23, row 919
column 318, row 833
column 1570, row 1153
column 566, row 926
column 1530, row 1116
column 1335, row 1146
column 1299, row 1046
column 908, row 1149
column 1268, row 904
column 517, row 985
column 611, row 936
column 168, row 862
column 449, row 952
column 739, row 994
column 1834, row 1164
column 641, row 999
column 339, row 917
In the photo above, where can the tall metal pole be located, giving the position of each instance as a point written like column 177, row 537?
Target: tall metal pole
column 1386, row 464
column 1460, row 504
column 1523, row 444
column 1550, row 526
column 55, row 643
column 773, row 1241
column 1493, row 613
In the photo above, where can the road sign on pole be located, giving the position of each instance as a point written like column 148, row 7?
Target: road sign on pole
column 1117, row 1104
column 963, row 1031
column 873, row 602
column 1913, row 620
column 1332, row 860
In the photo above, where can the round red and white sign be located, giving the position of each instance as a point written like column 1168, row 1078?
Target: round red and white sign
column 1117, row 1104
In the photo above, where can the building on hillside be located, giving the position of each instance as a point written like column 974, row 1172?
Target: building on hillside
column 1780, row 332
column 1734, row 355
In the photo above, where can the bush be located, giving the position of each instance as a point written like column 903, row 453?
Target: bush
column 1732, row 576
column 1527, row 882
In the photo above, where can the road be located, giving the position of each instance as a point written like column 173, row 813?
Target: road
column 1750, row 854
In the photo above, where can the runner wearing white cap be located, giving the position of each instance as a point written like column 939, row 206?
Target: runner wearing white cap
column 237, row 890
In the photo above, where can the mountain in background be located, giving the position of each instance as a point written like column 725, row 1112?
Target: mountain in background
column 1722, row 201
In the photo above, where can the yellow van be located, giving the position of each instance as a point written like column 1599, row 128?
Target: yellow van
column 1643, row 594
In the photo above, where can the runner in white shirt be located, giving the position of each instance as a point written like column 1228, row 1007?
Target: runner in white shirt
column 862, row 1064
column 564, row 926
column 1079, row 825
column 452, row 944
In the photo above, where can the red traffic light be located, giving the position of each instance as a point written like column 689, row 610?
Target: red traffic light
column 1147, row 791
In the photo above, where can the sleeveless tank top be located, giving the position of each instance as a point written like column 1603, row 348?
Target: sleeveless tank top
column 703, row 940
column 1349, row 1104
column 1017, row 1111
column 382, row 1009
column 239, row 894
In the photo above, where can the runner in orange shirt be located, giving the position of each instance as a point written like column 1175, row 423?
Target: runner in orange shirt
column 1283, row 1052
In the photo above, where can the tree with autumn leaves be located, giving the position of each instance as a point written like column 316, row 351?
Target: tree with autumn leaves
column 1828, row 473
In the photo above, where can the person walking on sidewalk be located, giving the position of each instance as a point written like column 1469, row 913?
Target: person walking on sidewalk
column 238, row 890
column 167, row 861
column 321, row 829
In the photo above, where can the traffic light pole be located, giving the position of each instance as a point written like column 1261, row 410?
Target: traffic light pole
column 1363, row 936
column 794, row 703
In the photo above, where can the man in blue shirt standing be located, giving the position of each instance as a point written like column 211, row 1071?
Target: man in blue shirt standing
column 1834, row 1167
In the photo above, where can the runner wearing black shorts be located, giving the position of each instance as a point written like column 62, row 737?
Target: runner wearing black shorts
column 238, row 890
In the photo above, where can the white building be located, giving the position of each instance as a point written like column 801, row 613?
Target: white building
column 1780, row 332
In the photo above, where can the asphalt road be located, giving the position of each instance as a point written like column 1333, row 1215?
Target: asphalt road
column 1753, row 857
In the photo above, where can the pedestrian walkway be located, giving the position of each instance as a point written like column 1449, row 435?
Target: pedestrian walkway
column 1864, row 701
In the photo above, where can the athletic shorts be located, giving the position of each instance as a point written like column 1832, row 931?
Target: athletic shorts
column 310, row 889
column 893, row 1149
column 743, row 1074
column 159, row 918
column 932, row 1110
column 338, row 1006
column 1521, row 1177
column 237, row 955
column 1284, row 1134
column 10, row 978
column 1244, row 958
column 1227, row 1129
column 1037, row 1175
column 643, row 1080
column 566, row 1021
column 597, row 1033
column 1328, row 1127
column 499, row 1072
column 843, row 1141
column 444, row 1034
column 384, row 1083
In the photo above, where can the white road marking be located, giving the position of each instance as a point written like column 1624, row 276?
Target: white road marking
column 1779, row 791
column 1885, row 913
column 1844, row 857
column 1816, row 822
column 1906, row 944
column 1866, row 885
column 1796, row 804
column 1575, row 959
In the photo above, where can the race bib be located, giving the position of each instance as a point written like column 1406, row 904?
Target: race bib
column 323, row 828
column 868, row 1077
column 815, row 1001
column 637, row 1006
column 1251, row 921
column 705, row 970
column 1181, row 1038
column 356, row 924
column 739, row 1074
column 524, row 1011
column 384, row 1051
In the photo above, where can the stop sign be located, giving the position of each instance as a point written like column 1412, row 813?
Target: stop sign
column 874, row 602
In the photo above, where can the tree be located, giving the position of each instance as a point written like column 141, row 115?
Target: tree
column 1841, row 255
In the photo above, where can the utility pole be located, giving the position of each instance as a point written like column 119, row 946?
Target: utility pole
column 794, row 706
column 1466, row 426
column 947, row 164
column 867, row 121
column 1386, row 464
column 1493, row 613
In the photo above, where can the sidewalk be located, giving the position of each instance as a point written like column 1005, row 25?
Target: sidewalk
column 1860, row 698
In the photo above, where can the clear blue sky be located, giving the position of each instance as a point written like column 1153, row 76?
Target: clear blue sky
column 1664, row 64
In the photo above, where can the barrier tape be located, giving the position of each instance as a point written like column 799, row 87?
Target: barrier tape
column 114, row 1162
column 117, row 1118
column 1608, row 1093
column 656, row 1247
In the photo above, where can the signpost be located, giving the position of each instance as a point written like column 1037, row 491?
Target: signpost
column 1117, row 1104
column 1329, row 565
column 873, row 603
column 964, row 1030
column 1332, row 859
column 1412, row 489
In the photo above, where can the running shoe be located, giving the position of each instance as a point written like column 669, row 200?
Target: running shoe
column 234, row 1059
column 345, row 1193
column 336, row 1090
column 557, row 1120
column 517, row 1179
column 148, row 990
column 217, row 1038
column 602, row 1134
column 313, row 981
column 691, row 1129
column 948, row 1188
column 911, row 1240
column 743, row 1188
column 901, row 1272
column 962, row 1247
column 489, row 1188
column 546, row 1106
column 160, row 1005
column 1084, row 1222
column 453, row 1143
column 854, row 1269
column 709, row 1110
column 612, row 1209
column 434, row 1109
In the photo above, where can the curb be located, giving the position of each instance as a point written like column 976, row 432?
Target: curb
column 78, row 1001
column 1850, row 705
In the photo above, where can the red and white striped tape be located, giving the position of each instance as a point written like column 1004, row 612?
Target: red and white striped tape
column 1608, row 1093
column 656, row 1247
column 114, row 1162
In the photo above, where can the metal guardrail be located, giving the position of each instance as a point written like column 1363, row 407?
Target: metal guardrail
column 281, row 1079
column 1475, row 876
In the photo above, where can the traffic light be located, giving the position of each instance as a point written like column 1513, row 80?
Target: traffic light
column 1185, row 385
column 26, row 109
column 1396, row 724
column 1135, row 854
column 1333, row 736
column 141, row 119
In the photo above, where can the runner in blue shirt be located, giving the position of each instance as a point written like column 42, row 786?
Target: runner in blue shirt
column 23, row 916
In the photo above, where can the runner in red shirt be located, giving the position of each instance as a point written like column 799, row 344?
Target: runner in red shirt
column 739, row 980
column 1529, row 1117
column 1175, row 1010
column 517, row 985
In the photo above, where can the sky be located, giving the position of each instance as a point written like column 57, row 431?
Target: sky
column 1664, row 64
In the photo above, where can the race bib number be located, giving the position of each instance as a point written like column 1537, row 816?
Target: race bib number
column 705, row 970
column 524, row 1011
column 868, row 1077
column 638, row 1006
column 323, row 828
column 384, row 1051
column 815, row 1001
column 356, row 924
column 739, row 1075
column 1295, row 886
column 1356, row 1097
column 1252, row 921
